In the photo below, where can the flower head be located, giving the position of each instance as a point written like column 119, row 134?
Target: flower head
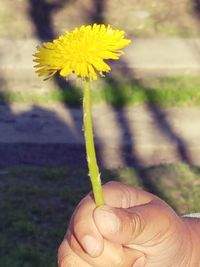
column 81, row 51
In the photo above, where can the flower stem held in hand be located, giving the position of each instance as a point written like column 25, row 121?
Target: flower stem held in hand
column 89, row 143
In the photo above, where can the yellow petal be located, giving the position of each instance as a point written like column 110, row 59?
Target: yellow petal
column 65, row 72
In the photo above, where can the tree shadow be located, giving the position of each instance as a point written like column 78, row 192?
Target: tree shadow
column 128, row 152
column 159, row 117
column 196, row 5
column 41, row 13
column 38, row 136
column 194, row 43
column 96, row 13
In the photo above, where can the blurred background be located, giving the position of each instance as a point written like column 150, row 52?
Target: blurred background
column 47, row 18
column 146, row 117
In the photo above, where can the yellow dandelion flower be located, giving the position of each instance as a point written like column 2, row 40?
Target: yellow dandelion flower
column 81, row 51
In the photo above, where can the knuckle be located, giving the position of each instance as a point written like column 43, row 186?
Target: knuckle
column 125, row 197
column 137, row 225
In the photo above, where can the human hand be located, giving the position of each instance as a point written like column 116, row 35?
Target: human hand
column 133, row 229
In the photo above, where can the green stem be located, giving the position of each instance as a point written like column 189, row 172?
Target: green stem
column 90, row 150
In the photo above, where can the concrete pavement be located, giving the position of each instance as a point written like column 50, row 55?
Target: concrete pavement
column 143, row 56
column 134, row 136
column 52, row 135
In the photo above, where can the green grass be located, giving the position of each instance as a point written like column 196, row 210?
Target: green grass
column 165, row 91
column 36, row 204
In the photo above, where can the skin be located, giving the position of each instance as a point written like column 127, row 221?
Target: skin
column 133, row 229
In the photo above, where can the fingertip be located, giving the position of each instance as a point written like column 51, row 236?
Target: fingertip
column 106, row 220
column 115, row 224
column 92, row 246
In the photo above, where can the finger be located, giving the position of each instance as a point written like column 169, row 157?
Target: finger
column 113, row 254
column 67, row 257
column 121, row 195
column 82, row 226
column 137, row 225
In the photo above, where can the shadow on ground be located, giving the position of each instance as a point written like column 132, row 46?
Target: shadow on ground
column 41, row 14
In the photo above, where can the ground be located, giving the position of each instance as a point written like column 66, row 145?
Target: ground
column 36, row 204
column 47, row 18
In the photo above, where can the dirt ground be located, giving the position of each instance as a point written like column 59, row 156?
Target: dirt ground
column 46, row 19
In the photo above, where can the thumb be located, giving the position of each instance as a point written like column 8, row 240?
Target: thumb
column 117, row 224
column 132, row 225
